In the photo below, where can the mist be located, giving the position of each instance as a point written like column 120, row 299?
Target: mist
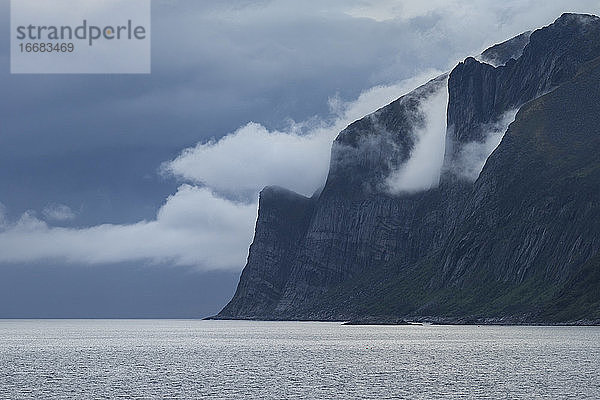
column 423, row 168
column 472, row 156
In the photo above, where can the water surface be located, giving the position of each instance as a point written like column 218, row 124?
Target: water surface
column 176, row 359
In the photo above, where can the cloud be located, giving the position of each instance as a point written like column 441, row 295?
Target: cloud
column 252, row 157
column 423, row 168
column 472, row 156
column 58, row 212
column 193, row 227
column 199, row 226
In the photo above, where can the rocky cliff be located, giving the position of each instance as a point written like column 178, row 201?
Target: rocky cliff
column 516, row 240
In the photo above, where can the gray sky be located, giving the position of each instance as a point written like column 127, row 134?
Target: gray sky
column 132, row 178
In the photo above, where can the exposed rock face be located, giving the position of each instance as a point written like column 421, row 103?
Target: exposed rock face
column 503, row 246
column 535, row 211
column 283, row 220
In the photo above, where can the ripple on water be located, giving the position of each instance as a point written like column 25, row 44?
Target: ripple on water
column 52, row 359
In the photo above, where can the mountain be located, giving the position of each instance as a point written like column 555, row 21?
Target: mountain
column 474, row 198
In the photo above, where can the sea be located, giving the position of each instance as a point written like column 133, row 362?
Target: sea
column 195, row 359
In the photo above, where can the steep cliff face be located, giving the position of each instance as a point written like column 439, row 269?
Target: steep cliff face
column 362, row 249
column 534, row 211
column 353, row 223
column 282, row 222
column 356, row 224
column 525, row 245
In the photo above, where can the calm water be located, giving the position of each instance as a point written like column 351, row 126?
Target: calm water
column 166, row 359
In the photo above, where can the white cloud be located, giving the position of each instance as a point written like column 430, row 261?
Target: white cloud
column 58, row 212
column 252, row 157
column 422, row 170
column 472, row 156
column 193, row 227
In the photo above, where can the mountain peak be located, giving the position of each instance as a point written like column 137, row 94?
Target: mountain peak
column 571, row 18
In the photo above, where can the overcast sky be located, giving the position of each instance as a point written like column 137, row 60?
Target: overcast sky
column 138, row 177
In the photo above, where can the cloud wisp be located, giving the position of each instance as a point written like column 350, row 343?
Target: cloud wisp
column 193, row 227
column 472, row 156
column 58, row 212
column 422, row 170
